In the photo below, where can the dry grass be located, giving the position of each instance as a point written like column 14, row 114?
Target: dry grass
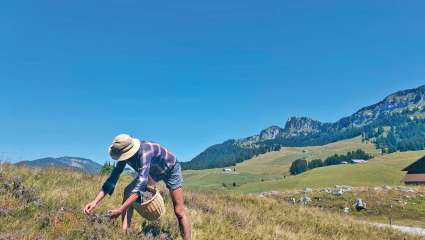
column 58, row 196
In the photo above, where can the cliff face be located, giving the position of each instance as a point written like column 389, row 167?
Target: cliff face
column 270, row 133
column 302, row 126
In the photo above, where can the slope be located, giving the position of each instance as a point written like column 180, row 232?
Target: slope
column 269, row 166
column 53, row 211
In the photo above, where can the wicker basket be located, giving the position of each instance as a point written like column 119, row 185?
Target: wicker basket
column 153, row 209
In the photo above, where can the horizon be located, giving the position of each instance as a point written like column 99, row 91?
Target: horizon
column 190, row 75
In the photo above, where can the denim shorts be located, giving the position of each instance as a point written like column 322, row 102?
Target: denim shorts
column 173, row 178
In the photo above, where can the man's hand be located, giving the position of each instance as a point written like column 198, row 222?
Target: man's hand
column 89, row 207
column 114, row 213
column 151, row 188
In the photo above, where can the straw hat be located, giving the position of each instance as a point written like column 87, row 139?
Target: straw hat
column 123, row 147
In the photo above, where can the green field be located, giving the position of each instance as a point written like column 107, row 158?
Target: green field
column 267, row 172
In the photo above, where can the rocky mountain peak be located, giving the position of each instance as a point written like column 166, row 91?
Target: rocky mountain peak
column 302, row 125
column 270, row 133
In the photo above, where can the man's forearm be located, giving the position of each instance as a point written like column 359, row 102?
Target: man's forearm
column 99, row 196
column 130, row 200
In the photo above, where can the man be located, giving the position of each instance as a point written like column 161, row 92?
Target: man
column 153, row 163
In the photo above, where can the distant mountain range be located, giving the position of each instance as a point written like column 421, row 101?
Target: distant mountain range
column 75, row 163
column 395, row 123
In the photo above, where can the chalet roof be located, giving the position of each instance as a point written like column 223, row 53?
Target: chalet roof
column 414, row 178
column 416, row 167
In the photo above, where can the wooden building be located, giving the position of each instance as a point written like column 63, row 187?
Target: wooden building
column 415, row 172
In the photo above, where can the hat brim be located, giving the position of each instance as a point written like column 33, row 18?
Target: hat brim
column 127, row 155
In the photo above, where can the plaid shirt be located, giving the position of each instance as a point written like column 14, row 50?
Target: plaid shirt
column 151, row 159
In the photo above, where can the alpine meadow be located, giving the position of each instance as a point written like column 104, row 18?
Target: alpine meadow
column 212, row 120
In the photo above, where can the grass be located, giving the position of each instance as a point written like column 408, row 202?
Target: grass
column 382, row 170
column 383, row 203
column 49, row 207
column 268, row 169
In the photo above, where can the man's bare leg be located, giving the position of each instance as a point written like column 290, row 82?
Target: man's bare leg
column 180, row 211
column 128, row 214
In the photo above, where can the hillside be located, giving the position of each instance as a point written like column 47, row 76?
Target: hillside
column 395, row 123
column 270, row 166
column 76, row 163
column 32, row 209
column 269, row 171
column 382, row 170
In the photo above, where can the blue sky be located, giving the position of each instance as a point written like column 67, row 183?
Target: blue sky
column 189, row 74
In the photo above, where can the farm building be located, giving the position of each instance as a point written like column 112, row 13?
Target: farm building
column 415, row 172
column 358, row 161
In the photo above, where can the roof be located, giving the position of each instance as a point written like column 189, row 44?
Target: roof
column 358, row 161
column 416, row 167
column 414, row 178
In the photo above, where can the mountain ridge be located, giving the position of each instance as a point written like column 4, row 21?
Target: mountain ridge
column 67, row 162
column 405, row 107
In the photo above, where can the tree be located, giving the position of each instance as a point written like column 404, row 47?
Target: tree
column 298, row 166
column 106, row 168
column 315, row 163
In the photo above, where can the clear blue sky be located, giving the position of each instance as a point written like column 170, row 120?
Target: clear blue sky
column 189, row 74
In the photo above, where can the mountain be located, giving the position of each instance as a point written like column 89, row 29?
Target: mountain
column 395, row 123
column 82, row 164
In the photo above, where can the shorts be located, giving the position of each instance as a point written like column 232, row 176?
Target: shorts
column 173, row 178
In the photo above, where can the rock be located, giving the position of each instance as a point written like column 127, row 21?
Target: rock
column 292, row 200
column 346, row 210
column 326, row 190
column 359, row 204
column 406, row 190
column 308, row 190
column 338, row 192
column 304, row 200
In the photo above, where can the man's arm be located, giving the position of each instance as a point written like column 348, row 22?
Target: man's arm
column 92, row 205
column 109, row 185
column 107, row 188
column 143, row 174
column 140, row 186
column 114, row 213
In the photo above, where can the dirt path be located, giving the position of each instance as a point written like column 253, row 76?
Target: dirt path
column 405, row 229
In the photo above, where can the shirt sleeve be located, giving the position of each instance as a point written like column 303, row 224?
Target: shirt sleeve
column 109, row 185
column 143, row 175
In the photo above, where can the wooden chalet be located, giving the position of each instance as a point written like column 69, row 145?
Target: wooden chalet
column 415, row 172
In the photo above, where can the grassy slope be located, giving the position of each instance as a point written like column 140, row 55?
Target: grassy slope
column 377, row 172
column 269, row 166
column 214, row 216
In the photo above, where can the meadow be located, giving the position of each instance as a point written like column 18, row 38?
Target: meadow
column 253, row 202
column 269, row 171
column 47, row 204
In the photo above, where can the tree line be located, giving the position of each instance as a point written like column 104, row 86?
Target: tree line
column 301, row 165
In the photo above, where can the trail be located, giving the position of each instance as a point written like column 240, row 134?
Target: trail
column 405, row 229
